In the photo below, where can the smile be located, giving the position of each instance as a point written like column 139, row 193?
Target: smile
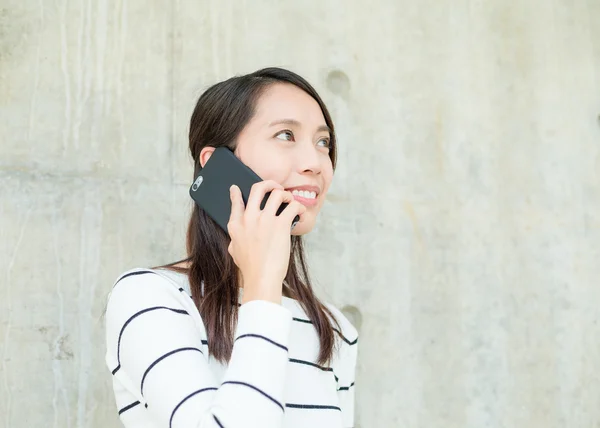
column 306, row 195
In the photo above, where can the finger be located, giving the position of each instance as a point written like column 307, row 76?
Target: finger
column 258, row 192
column 290, row 212
column 276, row 198
column 237, row 204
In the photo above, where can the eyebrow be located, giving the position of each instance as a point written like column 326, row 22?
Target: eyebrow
column 294, row 122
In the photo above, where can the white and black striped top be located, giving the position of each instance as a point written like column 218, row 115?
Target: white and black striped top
column 163, row 376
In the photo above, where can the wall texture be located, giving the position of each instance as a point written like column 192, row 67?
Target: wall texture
column 462, row 233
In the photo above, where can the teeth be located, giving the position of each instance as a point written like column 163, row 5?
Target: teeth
column 304, row 194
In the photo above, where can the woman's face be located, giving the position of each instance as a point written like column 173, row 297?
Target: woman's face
column 287, row 141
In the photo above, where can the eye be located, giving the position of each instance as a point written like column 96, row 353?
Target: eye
column 288, row 135
column 324, row 142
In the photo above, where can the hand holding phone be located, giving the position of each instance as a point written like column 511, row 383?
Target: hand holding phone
column 260, row 240
column 256, row 214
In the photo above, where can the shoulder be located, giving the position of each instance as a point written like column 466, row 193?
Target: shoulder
column 143, row 290
column 145, row 301
column 147, row 277
column 345, row 360
column 141, row 287
column 348, row 332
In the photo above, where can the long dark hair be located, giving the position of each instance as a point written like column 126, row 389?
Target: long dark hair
column 221, row 113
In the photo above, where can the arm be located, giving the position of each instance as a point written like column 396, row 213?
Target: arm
column 155, row 347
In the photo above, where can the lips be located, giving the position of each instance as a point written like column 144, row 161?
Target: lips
column 306, row 195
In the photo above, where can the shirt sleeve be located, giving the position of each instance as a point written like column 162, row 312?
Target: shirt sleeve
column 155, row 349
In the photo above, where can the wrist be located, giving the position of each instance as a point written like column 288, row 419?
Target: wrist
column 263, row 291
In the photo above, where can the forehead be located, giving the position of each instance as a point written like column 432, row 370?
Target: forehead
column 286, row 101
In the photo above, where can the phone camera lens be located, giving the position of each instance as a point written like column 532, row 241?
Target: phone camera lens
column 197, row 183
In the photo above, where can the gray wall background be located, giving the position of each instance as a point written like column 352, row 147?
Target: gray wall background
column 462, row 233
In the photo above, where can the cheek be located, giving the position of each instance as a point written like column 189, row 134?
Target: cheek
column 327, row 173
column 266, row 164
column 271, row 170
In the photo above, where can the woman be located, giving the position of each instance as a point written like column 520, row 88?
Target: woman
column 233, row 336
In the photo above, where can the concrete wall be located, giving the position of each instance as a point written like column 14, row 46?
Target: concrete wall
column 463, row 224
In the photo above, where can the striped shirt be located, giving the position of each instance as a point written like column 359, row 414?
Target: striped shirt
column 163, row 376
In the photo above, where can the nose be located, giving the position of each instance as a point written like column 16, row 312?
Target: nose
column 309, row 159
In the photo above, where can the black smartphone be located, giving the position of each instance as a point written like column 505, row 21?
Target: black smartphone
column 210, row 189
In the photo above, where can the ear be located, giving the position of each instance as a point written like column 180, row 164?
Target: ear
column 205, row 154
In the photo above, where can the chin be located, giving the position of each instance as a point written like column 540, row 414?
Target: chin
column 304, row 227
